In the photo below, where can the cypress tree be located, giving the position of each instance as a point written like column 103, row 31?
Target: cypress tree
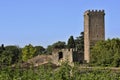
column 71, row 42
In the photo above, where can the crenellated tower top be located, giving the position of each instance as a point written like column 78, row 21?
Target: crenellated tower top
column 92, row 12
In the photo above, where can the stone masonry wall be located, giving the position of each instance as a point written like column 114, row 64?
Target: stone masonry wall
column 67, row 55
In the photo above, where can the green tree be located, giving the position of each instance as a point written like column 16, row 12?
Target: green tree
column 116, row 59
column 71, row 42
column 49, row 49
column 28, row 52
column 10, row 55
column 56, row 45
column 15, row 51
column 39, row 50
column 6, row 58
column 59, row 45
column 79, row 42
column 106, row 53
column 2, row 48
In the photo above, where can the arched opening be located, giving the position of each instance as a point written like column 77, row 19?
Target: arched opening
column 60, row 55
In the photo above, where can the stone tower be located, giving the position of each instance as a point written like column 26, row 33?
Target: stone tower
column 93, row 30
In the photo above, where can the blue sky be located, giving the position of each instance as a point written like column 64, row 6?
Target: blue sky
column 43, row 22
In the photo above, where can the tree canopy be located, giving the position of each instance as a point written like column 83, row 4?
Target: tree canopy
column 106, row 53
column 59, row 45
column 28, row 52
column 39, row 50
column 9, row 54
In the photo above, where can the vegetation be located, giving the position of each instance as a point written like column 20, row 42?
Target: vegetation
column 13, row 54
column 39, row 50
column 59, row 45
column 71, row 42
column 49, row 49
column 56, row 45
column 106, row 53
column 28, row 52
column 64, row 72
column 9, row 54
column 79, row 42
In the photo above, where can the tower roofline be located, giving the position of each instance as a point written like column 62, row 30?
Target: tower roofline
column 94, row 11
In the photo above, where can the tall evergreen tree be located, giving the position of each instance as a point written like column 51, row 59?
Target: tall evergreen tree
column 71, row 42
column 79, row 42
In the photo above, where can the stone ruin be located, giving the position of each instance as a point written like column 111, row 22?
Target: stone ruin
column 71, row 55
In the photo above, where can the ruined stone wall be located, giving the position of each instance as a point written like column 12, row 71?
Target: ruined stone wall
column 67, row 55
column 93, row 30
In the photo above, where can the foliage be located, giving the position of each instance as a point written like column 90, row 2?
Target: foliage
column 28, row 52
column 10, row 55
column 49, row 49
column 2, row 48
column 56, row 45
column 59, row 45
column 79, row 42
column 64, row 72
column 39, row 50
column 15, row 51
column 106, row 53
column 71, row 42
